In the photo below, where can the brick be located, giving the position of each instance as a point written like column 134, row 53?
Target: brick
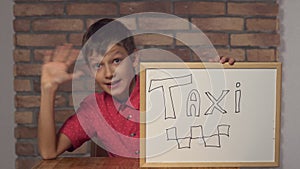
column 218, row 38
column 195, row 39
column 277, row 55
column 27, row 0
column 160, row 55
column 31, row 101
column 57, row 25
column 89, row 22
column 38, row 54
column 237, row 54
column 24, row 117
column 22, row 85
column 27, row 101
column 23, row 132
column 153, row 39
column 66, row 87
column 253, row 9
column 25, row 163
column 147, row 6
column 259, row 39
column 262, row 55
column 39, row 40
column 152, row 23
column 182, row 53
column 21, row 25
column 75, row 39
column 191, row 39
column 25, row 148
column 60, row 101
column 129, row 22
column 219, row 24
column 21, row 55
column 199, row 8
column 259, row 24
column 62, row 115
column 37, row 85
column 38, row 9
column 27, row 70
column 105, row 9
column 71, row 86
column 204, row 54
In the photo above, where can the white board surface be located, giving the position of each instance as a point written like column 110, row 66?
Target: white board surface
column 211, row 115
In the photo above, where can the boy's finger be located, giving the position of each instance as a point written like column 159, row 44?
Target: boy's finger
column 223, row 59
column 72, row 57
column 47, row 56
column 61, row 52
column 77, row 74
column 56, row 53
column 231, row 61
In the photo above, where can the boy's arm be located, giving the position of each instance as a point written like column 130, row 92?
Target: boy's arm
column 54, row 73
column 50, row 144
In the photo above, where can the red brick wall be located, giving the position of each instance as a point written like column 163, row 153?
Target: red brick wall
column 244, row 29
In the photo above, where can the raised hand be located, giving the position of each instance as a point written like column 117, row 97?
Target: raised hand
column 56, row 65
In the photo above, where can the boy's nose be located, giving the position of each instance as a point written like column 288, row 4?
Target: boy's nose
column 109, row 73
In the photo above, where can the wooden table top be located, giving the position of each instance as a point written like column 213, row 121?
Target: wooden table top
column 95, row 163
column 88, row 163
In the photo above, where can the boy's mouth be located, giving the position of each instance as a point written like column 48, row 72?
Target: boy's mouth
column 113, row 84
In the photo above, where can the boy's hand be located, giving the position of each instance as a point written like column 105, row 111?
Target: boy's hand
column 56, row 65
column 224, row 59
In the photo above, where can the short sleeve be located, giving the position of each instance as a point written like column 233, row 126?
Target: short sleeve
column 79, row 128
column 74, row 131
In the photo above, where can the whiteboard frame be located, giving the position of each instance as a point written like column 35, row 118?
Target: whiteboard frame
column 201, row 65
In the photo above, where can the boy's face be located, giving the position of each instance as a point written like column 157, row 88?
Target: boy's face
column 115, row 72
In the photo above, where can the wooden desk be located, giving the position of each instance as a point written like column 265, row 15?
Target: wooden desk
column 87, row 163
column 95, row 163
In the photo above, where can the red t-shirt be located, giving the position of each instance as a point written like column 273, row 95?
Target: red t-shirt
column 112, row 125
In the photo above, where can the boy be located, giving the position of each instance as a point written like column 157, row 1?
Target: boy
column 111, row 116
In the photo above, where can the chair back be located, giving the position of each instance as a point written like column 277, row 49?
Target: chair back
column 97, row 151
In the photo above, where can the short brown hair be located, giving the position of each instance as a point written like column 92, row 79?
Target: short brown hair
column 106, row 32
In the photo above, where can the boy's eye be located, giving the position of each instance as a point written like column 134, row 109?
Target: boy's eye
column 97, row 66
column 117, row 61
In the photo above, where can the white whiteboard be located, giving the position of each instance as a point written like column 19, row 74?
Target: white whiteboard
column 210, row 114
